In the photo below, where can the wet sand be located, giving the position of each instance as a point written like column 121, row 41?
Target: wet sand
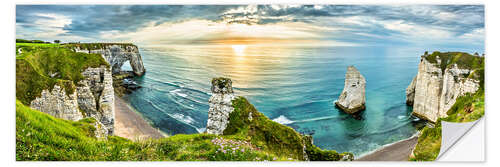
column 399, row 151
column 131, row 125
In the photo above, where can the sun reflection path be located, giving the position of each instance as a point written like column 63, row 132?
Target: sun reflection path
column 239, row 50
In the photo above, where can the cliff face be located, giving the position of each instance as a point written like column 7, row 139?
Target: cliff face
column 433, row 92
column 352, row 99
column 58, row 104
column 220, row 105
column 94, row 97
column 116, row 55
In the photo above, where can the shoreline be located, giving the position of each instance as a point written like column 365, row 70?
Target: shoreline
column 397, row 151
column 131, row 125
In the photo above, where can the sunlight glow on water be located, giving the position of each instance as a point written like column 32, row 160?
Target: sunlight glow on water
column 294, row 86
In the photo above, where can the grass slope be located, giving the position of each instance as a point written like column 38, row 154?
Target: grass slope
column 40, row 136
column 41, row 66
column 282, row 140
column 469, row 107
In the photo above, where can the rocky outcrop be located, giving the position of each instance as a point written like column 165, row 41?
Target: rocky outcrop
column 352, row 99
column 93, row 97
column 435, row 91
column 96, row 96
column 107, row 102
column 220, row 105
column 410, row 92
column 117, row 54
column 58, row 104
column 100, row 130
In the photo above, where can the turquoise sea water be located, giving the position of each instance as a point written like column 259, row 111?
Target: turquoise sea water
column 295, row 86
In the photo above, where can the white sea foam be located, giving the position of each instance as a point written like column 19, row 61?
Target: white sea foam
column 183, row 118
column 282, row 120
column 201, row 130
column 178, row 93
column 402, row 117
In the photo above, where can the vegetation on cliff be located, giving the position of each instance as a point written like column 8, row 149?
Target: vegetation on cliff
column 95, row 46
column 40, row 136
column 462, row 59
column 247, row 123
column 468, row 107
column 41, row 66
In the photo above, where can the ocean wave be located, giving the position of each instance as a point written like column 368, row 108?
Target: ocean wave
column 317, row 119
column 183, row 118
column 402, row 117
column 178, row 93
column 285, row 121
column 282, row 120
column 187, row 120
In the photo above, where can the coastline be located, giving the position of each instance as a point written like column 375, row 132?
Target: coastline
column 131, row 125
column 397, row 151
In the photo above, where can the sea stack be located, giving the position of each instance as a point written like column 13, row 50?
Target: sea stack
column 220, row 105
column 352, row 99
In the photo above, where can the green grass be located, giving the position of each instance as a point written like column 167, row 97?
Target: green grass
column 37, row 62
column 469, row 107
column 463, row 60
column 94, row 46
column 29, row 41
column 40, row 136
column 271, row 136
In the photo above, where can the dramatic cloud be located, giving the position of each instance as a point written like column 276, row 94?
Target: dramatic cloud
column 457, row 25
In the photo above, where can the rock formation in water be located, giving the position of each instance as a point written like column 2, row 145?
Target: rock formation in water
column 116, row 55
column 438, row 84
column 220, row 105
column 410, row 92
column 352, row 99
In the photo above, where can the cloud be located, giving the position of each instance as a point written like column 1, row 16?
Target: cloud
column 212, row 32
column 361, row 24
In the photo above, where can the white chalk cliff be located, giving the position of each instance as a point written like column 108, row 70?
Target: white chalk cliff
column 432, row 92
column 220, row 105
column 352, row 99
column 93, row 97
column 117, row 54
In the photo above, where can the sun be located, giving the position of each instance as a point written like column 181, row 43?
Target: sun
column 239, row 50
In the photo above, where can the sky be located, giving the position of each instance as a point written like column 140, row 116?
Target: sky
column 332, row 25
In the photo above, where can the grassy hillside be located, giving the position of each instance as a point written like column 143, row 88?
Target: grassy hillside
column 467, row 108
column 39, row 136
column 42, row 137
column 41, row 66
column 462, row 59
column 94, row 46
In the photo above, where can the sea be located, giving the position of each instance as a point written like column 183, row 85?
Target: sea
column 292, row 85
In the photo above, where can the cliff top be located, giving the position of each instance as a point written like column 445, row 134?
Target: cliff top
column 222, row 85
column 463, row 61
column 40, row 66
column 93, row 46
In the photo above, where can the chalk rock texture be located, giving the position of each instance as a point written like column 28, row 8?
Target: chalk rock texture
column 352, row 99
column 58, row 104
column 410, row 92
column 434, row 92
column 93, row 97
column 220, row 105
column 116, row 55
